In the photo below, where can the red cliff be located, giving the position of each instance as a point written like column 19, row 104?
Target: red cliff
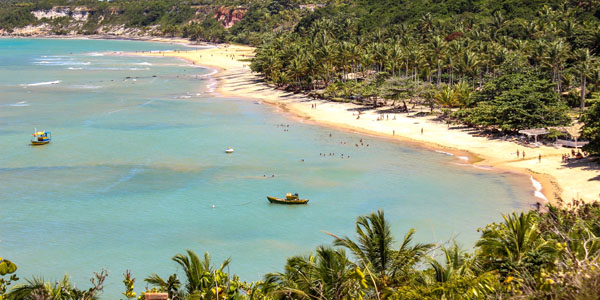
column 229, row 15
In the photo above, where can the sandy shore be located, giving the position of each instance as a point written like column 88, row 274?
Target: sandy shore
column 566, row 181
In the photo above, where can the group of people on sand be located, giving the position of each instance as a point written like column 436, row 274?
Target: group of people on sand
column 573, row 155
column 385, row 117
column 523, row 153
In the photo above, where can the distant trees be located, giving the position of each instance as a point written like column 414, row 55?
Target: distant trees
column 591, row 129
column 517, row 101
column 450, row 49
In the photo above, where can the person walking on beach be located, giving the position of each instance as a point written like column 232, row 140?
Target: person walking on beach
column 523, row 154
column 421, row 130
column 393, row 132
column 540, row 158
column 518, row 153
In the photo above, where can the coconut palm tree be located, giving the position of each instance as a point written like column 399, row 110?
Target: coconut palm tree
column 437, row 46
column 327, row 275
column 458, row 276
column 584, row 64
column 171, row 285
column 509, row 242
column 555, row 59
column 38, row 289
column 201, row 276
column 374, row 248
column 446, row 97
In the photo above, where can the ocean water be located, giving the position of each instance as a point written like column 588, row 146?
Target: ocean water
column 137, row 163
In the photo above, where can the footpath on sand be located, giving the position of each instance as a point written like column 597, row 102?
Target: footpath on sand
column 576, row 179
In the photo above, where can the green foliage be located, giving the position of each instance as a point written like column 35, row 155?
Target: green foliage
column 591, row 129
column 326, row 275
column 12, row 17
column 38, row 289
column 6, row 267
column 204, row 281
column 128, row 281
column 517, row 101
column 171, row 285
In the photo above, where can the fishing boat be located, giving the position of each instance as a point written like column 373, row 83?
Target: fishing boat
column 229, row 150
column 41, row 137
column 289, row 199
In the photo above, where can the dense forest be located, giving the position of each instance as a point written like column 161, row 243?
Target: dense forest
column 531, row 255
column 496, row 65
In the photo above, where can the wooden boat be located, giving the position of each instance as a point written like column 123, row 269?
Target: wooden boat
column 289, row 199
column 41, row 138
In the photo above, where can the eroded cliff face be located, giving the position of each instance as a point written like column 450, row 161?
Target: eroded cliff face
column 64, row 20
column 228, row 16
column 77, row 13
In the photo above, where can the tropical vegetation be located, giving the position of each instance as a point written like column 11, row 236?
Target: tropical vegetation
column 502, row 65
column 549, row 254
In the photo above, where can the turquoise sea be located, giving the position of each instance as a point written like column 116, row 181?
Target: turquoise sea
column 137, row 162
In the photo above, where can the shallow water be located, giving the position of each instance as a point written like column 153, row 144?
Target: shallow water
column 137, row 162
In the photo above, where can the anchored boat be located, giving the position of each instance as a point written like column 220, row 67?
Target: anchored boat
column 289, row 199
column 41, row 138
column 229, row 150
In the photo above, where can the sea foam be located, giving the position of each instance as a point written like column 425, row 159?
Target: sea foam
column 538, row 189
column 41, row 83
column 21, row 103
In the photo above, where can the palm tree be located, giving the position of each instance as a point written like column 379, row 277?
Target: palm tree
column 201, row 276
column 446, row 97
column 555, row 59
column 584, row 64
column 38, row 289
column 328, row 275
column 458, row 276
column 512, row 240
column 469, row 63
column 437, row 46
column 462, row 94
column 374, row 248
column 171, row 285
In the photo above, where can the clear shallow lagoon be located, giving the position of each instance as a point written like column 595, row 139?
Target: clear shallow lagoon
column 137, row 161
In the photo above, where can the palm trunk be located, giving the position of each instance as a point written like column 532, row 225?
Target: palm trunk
column 583, row 84
column 439, row 74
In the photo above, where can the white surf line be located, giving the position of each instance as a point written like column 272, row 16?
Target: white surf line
column 444, row 152
column 42, row 83
column 538, row 189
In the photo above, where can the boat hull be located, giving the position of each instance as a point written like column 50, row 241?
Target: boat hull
column 285, row 201
column 37, row 143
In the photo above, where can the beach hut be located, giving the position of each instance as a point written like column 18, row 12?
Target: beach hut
column 534, row 132
column 574, row 133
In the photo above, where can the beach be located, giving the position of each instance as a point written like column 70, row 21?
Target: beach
column 566, row 181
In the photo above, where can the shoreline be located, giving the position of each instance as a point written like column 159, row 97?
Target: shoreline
column 560, row 184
